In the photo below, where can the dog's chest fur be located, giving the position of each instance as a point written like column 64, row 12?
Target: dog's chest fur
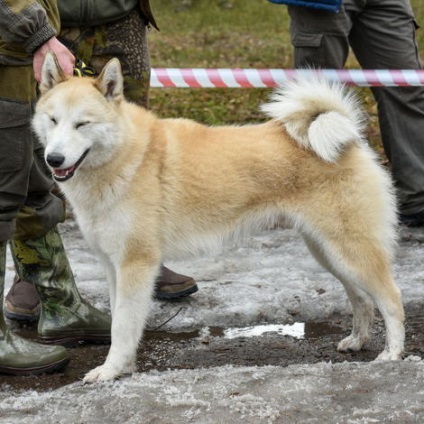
column 101, row 210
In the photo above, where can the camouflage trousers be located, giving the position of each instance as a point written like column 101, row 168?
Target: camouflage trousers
column 125, row 39
column 43, row 262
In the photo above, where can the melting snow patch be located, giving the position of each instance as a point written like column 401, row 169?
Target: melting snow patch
column 413, row 358
column 296, row 330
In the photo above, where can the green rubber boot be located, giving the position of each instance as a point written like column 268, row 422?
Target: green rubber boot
column 65, row 317
column 19, row 356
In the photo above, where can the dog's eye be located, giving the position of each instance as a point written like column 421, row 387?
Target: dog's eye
column 53, row 119
column 81, row 124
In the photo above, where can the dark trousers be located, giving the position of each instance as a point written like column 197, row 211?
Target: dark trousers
column 25, row 186
column 381, row 34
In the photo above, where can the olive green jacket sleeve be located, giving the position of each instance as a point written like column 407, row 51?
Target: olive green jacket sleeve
column 25, row 25
column 83, row 13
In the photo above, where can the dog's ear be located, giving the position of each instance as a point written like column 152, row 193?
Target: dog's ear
column 51, row 73
column 111, row 82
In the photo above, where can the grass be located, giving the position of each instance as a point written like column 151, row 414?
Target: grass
column 233, row 34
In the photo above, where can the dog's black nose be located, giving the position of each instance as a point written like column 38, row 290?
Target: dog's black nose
column 55, row 159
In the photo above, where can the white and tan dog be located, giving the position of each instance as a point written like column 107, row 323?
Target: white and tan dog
column 144, row 188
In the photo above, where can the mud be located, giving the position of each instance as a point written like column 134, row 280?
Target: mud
column 208, row 348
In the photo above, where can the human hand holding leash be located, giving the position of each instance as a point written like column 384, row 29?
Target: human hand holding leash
column 64, row 57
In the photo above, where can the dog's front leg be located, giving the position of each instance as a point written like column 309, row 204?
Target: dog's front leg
column 135, row 283
column 110, row 271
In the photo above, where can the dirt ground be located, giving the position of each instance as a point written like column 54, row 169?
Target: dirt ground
column 164, row 351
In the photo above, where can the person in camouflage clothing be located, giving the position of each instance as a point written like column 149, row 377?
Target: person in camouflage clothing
column 96, row 36
column 29, row 211
column 125, row 39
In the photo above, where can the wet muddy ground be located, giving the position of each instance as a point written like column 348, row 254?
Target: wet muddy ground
column 208, row 348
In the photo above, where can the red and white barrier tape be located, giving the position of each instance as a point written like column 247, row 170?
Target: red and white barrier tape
column 261, row 78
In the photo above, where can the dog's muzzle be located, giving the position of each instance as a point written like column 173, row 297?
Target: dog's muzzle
column 55, row 160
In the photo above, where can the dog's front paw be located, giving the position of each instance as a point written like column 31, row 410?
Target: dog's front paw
column 102, row 373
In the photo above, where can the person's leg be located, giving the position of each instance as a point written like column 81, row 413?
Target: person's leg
column 17, row 356
column 65, row 316
column 320, row 39
column 126, row 40
column 383, row 37
column 16, row 153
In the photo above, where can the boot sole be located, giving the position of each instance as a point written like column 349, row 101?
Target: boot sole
column 20, row 317
column 43, row 369
column 176, row 295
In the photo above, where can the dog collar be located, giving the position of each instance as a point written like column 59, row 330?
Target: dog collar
column 82, row 70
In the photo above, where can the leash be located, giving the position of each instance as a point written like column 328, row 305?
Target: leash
column 82, row 70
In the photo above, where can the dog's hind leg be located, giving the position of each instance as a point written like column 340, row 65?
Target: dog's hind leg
column 361, row 263
column 362, row 305
column 363, row 316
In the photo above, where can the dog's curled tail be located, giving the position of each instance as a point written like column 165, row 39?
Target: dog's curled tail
column 318, row 114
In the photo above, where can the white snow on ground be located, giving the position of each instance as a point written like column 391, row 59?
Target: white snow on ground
column 271, row 278
column 322, row 393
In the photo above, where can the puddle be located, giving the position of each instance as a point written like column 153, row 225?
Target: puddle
column 297, row 330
